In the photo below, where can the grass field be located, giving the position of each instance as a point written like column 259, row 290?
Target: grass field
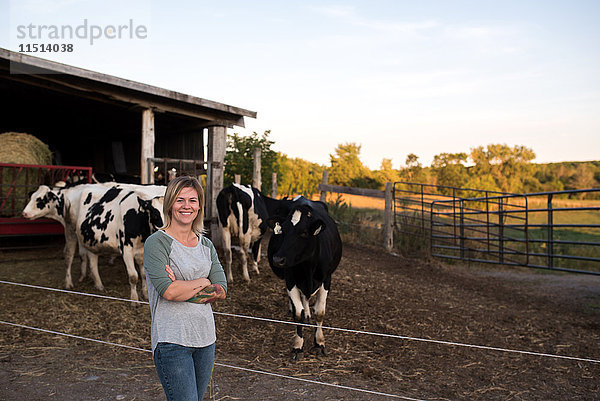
column 356, row 201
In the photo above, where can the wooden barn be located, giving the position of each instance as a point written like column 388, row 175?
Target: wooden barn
column 118, row 127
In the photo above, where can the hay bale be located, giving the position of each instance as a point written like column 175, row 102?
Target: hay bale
column 19, row 148
column 23, row 148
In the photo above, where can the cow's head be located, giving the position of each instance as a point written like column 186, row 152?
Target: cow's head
column 154, row 209
column 45, row 202
column 295, row 236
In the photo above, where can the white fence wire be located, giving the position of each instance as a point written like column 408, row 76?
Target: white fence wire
column 450, row 343
column 216, row 363
column 399, row 337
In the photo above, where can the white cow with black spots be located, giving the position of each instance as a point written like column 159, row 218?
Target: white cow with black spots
column 101, row 218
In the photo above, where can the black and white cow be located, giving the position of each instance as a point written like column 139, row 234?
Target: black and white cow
column 61, row 204
column 304, row 250
column 133, row 211
column 243, row 213
column 119, row 220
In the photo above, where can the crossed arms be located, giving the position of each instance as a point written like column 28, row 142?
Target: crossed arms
column 200, row 291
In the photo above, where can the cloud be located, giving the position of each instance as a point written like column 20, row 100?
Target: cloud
column 349, row 15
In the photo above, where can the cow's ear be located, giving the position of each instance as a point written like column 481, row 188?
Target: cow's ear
column 317, row 227
column 275, row 224
column 143, row 203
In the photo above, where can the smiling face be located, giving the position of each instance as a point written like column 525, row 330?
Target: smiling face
column 186, row 207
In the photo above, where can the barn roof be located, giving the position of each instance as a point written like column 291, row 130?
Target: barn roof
column 110, row 89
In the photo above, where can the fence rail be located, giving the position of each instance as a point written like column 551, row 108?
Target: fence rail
column 387, row 194
column 530, row 230
column 163, row 169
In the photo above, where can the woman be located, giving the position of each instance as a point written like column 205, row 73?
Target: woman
column 184, row 277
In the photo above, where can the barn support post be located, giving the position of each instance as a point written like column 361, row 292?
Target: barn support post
column 388, row 217
column 147, row 166
column 325, row 181
column 217, row 144
column 274, row 186
column 256, row 178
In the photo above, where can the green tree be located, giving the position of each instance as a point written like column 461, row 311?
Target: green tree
column 582, row 178
column 297, row 176
column 386, row 173
column 450, row 170
column 414, row 169
column 510, row 167
column 346, row 167
column 239, row 158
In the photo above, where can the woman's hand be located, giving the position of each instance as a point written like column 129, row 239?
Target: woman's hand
column 170, row 272
column 208, row 294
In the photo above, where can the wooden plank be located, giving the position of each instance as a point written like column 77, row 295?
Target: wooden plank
column 55, row 67
column 112, row 96
column 217, row 145
column 256, row 178
column 147, row 167
column 374, row 193
column 325, row 181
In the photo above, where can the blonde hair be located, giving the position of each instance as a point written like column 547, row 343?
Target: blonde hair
column 173, row 189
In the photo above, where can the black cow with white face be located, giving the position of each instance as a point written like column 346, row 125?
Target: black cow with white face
column 304, row 250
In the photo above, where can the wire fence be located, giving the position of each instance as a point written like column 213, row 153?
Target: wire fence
column 545, row 230
column 346, row 330
column 269, row 320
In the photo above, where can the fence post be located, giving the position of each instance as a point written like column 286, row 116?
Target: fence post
column 550, row 233
column 148, row 133
column 274, row 186
column 487, row 216
column 388, row 217
column 324, row 182
column 462, row 230
column 454, row 213
column 501, row 231
column 256, row 179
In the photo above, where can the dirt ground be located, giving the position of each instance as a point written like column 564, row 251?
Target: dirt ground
column 371, row 291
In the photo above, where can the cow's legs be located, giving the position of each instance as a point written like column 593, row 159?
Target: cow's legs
column 226, row 236
column 84, row 262
column 244, row 253
column 69, row 253
column 93, row 258
column 131, row 272
column 256, row 255
column 297, row 300
column 320, row 315
column 139, row 260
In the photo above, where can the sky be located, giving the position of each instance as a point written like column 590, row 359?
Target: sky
column 396, row 77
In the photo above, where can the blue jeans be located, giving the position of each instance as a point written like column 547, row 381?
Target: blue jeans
column 184, row 372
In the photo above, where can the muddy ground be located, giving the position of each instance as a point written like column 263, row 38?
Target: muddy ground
column 372, row 291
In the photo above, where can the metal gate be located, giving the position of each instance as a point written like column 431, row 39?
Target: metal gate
column 546, row 230
column 490, row 229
